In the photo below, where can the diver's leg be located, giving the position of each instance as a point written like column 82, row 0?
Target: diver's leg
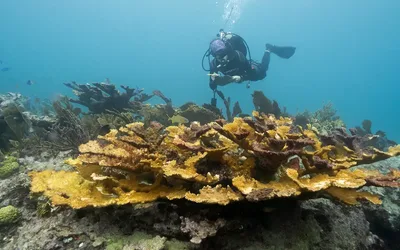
column 265, row 61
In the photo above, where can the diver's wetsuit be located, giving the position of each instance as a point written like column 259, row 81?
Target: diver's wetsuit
column 240, row 66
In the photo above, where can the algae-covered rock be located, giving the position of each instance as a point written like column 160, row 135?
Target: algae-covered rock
column 193, row 112
column 156, row 243
column 157, row 113
column 8, row 167
column 9, row 215
column 174, row 244
column 138, row 240
column 200, row 230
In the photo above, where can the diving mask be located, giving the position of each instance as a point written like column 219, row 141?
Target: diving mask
column 222, row 59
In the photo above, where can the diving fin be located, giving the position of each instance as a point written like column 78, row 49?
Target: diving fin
column 281, row 51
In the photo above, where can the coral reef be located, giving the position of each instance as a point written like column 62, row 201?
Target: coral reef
column 115, row 119
column 211, row 184
column 193, row 112
column 102, row 96
column 101, row 124
column 264, row 105
column 68, row 132
column 68, row 126
column 17, row 122
column 367, row 138
column 157, row 113
column 230, row 114
column 237, row 110
column 8, row 166
column 217, row 163
column 9, row 215
column 365, row 144
column 162, row 113
column 324, row 121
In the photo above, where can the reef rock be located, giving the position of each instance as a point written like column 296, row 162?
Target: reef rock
column 385, row 219
column 311, row 224
column 17, row 121
column 193, row 112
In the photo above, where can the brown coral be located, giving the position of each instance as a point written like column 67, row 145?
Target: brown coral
column 220, row 162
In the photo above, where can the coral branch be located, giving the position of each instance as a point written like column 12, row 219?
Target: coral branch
column 99, row 97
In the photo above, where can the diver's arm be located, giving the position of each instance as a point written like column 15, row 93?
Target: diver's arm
column 223, row 80
column 220, row 80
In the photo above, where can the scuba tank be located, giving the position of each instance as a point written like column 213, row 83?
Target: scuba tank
column 234, row 41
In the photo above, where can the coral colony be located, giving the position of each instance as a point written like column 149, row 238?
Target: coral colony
column 249, row 159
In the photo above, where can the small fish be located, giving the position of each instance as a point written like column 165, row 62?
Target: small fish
column 30, row 82
column 178, row 119
column 104, row 130
column 37, row 100
column 108, row 81
column 5, row 69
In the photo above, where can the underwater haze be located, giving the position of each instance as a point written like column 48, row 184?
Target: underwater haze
column 347, row 51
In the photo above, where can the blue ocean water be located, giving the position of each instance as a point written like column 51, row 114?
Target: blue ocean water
column 347, row 51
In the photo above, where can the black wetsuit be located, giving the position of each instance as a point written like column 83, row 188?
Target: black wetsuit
column 238, row 65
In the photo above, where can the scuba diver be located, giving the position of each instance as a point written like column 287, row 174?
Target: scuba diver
column 230, row 58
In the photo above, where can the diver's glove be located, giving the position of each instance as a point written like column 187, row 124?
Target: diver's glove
column 236, row 78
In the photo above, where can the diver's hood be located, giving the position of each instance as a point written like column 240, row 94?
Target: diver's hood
column 217, row 47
